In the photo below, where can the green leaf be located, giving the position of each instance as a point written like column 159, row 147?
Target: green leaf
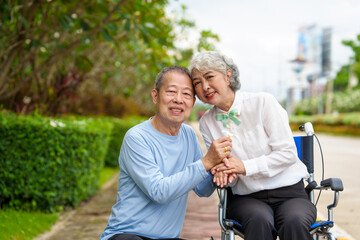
column 84, row 25
column 106, row 35
column 26, row 24
column 68, row 18
column 111, row 27
column 64, row 23
column 36, row 43
column 127, row 25
column 82, row 62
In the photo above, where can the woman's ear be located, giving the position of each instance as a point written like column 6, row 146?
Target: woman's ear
column 228, row 75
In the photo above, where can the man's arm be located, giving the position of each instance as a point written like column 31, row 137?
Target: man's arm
column 206, row 187
column 140, row 164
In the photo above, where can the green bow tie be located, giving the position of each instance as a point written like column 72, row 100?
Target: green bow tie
column 225, row 117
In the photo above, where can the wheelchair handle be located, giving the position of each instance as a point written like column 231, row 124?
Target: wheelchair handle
column 308, row 128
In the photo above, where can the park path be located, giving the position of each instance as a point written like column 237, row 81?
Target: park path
column 201, row 218
column 88, row 221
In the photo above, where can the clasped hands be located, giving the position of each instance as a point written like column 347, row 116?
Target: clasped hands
column 222, row 164
column 226, row 171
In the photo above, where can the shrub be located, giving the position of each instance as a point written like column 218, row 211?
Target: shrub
column 308, row 106
column 343, row 123
column 118, row 131
column 352, row 119
column 342, row 102
column 49, row 163
column 119, row 127
column 348, row 101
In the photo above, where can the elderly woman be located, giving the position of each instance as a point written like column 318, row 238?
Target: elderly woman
column 268, row 196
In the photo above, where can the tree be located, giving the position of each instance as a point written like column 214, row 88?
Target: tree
column 341, row 81
column 52, row 53
column 355, row 59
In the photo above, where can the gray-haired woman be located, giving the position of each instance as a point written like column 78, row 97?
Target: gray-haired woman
column 262, row 168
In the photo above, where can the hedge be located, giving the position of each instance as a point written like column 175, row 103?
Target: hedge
column 119, row 129
column 344, row 123
column 342, row 102
column 46, row 164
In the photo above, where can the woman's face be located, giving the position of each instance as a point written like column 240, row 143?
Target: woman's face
column 212, row 87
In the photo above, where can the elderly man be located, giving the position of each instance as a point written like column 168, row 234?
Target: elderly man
column 160, row 162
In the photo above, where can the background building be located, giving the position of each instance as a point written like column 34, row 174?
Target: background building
column 312, row 65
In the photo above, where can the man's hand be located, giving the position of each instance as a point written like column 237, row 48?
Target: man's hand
column 219, row 149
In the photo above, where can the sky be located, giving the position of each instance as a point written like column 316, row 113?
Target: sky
column 262, row 35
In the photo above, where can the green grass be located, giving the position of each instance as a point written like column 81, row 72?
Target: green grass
column 24, row 225
column 19, row 225
column 106, row 174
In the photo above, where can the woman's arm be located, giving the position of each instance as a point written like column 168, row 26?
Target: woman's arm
column 280, row 141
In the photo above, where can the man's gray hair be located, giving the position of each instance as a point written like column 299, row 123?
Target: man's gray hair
column 160, row 77
column 211, row 60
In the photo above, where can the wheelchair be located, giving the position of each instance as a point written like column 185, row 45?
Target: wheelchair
column 305, row 149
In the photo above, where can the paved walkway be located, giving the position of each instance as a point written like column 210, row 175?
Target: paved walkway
column 89, row 220
column 201, row 220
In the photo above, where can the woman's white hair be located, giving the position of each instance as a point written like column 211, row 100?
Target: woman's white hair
column 211, row 60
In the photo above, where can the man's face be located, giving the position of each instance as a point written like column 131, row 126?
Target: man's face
column 175, row 98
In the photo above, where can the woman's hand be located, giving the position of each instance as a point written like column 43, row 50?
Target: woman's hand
column 233, row 166
column 221, row 179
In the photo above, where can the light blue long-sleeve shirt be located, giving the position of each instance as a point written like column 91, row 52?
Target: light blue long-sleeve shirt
column 156, row 173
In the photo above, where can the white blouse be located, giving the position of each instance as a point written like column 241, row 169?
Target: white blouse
column 263, row 141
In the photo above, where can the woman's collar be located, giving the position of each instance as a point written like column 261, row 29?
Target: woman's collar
column 236, row 105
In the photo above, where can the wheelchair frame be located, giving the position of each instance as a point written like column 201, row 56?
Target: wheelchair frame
column 230, row 228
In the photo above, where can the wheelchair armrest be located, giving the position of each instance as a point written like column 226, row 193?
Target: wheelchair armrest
column 334, row 183
column 311, row 186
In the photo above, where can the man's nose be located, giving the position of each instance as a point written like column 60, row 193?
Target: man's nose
column 178, row 97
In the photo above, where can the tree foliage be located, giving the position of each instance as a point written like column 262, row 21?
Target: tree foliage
column 55, row 54
column 346, row 72
column 341, row 81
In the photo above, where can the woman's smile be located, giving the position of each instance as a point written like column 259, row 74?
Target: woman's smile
column 210, row 95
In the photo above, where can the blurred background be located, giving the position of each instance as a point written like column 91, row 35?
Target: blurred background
column 90, row 57
column 300, row 51
column 101, row 57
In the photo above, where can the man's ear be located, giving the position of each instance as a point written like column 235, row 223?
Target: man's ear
column 154, row 95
